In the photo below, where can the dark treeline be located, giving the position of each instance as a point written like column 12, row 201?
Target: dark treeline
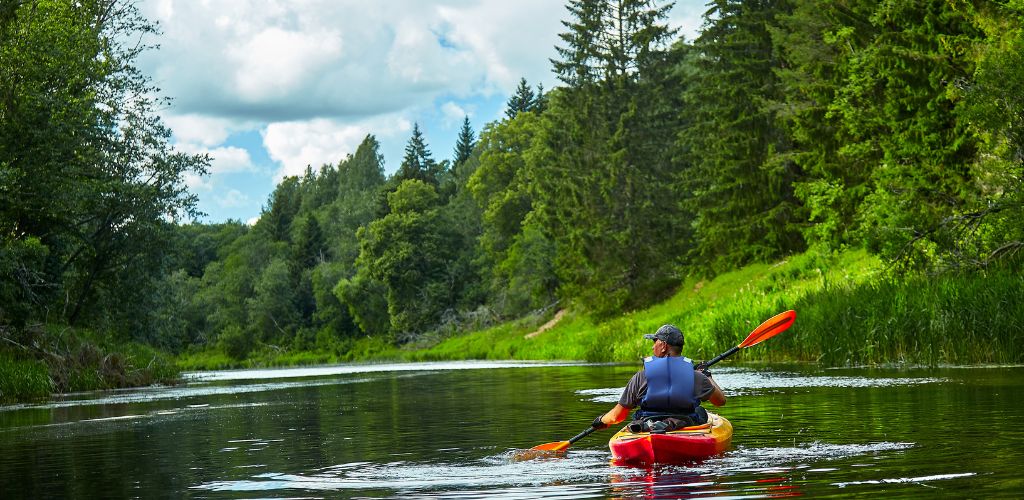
column 786, row 126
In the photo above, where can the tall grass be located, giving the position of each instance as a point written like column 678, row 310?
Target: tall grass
column 59, row 359
column 849, row 312
column 952, row 319
column 23, row 379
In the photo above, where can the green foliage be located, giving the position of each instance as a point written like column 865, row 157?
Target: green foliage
column 23, row 380
column 739, row 178
column 464, row 144
column 86, row 170
column 891, row 125
column 410, row 251
column 235, row 342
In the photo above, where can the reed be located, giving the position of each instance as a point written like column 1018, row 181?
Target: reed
column 849, row 312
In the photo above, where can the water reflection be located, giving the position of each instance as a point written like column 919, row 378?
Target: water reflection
column 765, row 473
column 449, row 430
column 747, row 382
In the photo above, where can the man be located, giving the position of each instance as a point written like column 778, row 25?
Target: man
column 667, row 391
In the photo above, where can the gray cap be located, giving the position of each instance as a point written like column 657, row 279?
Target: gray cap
column 669, row 333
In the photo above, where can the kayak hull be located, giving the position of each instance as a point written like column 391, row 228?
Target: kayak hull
column 686, row 444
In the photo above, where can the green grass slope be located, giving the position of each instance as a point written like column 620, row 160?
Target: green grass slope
column 848, row 313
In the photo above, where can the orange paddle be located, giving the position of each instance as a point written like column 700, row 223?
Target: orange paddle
column 770, row 328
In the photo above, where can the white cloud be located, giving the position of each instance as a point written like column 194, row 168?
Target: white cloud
column 346, row 59
column 233, row 198
column 197, row 183
column 274, row 63
column 297, row 145
column 453, row 113
column 230, row 159
column 199, row 130
column 315, row 76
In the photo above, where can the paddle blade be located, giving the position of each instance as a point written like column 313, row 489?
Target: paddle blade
column 556, row 446
column 770, row 328
column 546, row 450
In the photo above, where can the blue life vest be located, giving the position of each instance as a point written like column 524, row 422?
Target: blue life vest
column 669, row 389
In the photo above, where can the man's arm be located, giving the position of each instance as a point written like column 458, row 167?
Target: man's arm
column 630, row 395
column 615, row 415
column 717, row 397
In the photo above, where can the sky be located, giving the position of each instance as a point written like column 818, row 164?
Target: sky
column 267, row 88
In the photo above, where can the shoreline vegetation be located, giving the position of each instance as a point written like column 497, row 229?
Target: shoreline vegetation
column 861, row 164
column 849, row 313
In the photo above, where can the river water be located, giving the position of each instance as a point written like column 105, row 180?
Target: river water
column 451, row 430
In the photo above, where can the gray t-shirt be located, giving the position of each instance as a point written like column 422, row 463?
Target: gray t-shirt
column 636, row 389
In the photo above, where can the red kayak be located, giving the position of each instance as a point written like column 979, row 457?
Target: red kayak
column 688, row 443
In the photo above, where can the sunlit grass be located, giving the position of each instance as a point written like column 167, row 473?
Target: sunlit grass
column 848, row 312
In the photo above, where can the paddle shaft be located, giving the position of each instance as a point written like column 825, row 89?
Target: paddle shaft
column 582, row 435
column 718, row 358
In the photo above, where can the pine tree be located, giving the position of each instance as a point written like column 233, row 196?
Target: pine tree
column 540, row 101
column 522, row 100
column 577, row 62
column 739, row 180
column 417, row 162
column 464, row 144
column 603, row 180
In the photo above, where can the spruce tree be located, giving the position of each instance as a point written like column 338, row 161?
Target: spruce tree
column 602, row 180
column 417, row 162
column 739, row 181
column 465, row 143
column 522, row 100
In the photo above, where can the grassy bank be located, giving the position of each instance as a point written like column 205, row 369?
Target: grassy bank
column 848, row 313
column 41, row 361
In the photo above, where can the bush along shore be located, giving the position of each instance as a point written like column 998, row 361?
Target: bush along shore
column 39, row 361
column 850, row 312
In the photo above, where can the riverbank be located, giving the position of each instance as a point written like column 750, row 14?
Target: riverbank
column 42, row 361
column 849, row 313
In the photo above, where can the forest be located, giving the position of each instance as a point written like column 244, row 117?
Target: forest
column 786, row 128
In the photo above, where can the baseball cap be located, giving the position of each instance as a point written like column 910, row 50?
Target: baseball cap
column 669, row 333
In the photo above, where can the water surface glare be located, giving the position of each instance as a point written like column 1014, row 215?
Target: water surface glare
column 451, row 430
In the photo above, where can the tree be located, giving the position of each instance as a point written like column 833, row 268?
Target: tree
column 464, row 144
column 77, row 118
column 819, row 40
column 740, row 179
column 600, row 175
column 408, row 251
column 285, row 202
column 501, row 187
column 523, row 100
column 417, row 162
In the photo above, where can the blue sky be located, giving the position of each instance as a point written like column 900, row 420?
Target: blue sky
column 268, row 87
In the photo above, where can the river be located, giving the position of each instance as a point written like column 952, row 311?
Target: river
column 451, row 430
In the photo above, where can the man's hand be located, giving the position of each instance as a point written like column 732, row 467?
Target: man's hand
column 702, row 367
column 598, row 423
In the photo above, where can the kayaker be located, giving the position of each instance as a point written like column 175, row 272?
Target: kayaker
column 667, row 392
